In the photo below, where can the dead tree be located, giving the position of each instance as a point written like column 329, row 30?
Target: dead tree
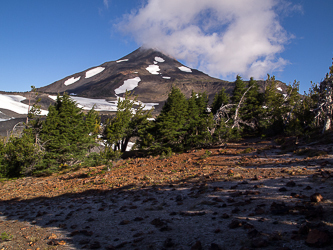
column 224, row 111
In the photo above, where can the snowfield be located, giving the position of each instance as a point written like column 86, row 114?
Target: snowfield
column 95, row 71
column 185, row 69
column 71, row 80
column 101, row 104
column 159, row 59
column 128, row 85
column 123, row 60
column 14, row 103
column 153, row 69
column 279, row 89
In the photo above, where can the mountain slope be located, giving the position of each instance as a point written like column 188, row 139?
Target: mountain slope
column 154, row 72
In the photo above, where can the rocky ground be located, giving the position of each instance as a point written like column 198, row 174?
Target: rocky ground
column 245, row 195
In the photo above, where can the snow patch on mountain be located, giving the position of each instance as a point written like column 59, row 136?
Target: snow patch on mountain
column 14, row 103
column 123, row 60
column 153, row 69
column 71, row 80
column 279, row 89
column 98, row 104
column 166, row 77
column 185, row 69
column 128, row 85
column 102, row 104
column 159, row 59
column 95, row 71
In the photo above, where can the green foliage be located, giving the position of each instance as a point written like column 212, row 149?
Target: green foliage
column 130, row 121
column 20, row 155
column 252, row 107
column 221, row 98
column 239, row 90
column 66, row 134
column 6, row 237
column 169, row 125
column 199, row 121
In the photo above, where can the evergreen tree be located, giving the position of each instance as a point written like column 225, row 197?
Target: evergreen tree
column 2, row 154
column 169, row 126
column 20, row 155
column 239, row 90
column 252, row 107
column 65, row 133
column 200, row 121
column 221, row 98
column 130, row 119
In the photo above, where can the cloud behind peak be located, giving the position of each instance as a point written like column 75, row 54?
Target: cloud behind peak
column 220, row 37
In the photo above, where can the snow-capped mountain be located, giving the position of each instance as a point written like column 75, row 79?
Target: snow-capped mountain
column 149, row 73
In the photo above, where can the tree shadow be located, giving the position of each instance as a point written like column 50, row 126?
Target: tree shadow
column 239, row 214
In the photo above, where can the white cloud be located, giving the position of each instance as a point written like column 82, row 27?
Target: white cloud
column 220, row 37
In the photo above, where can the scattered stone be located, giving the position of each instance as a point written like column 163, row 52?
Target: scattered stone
column 197, row 246
column 253, row 233
column 317, row 238
column 283, row 189
column 234, row 224
column 138, row 219
column 259, row 242
column 168, row 243
column 316, row 197
column 247, row 225
column 236, row 210
column 95, row 245
column 158, row 222
column 124, row 222
column 225, row 216
column 215, row 246
column 279, row 208
column 259, row 210
column 291, row 184
column 307, row 188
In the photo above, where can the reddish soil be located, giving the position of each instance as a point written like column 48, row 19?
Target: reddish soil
column 243, row 195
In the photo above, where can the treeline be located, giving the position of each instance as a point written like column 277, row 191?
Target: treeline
column 66, row 137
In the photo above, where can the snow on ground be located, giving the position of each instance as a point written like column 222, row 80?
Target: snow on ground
column 279, row 89
column 166, row 77
column 128, row 85
column 71, row 80
column 159, row 59
column 185, row 69
column 102, row 104
column 285, row 95
column 155, row 62
column 95, row 71
column 123, row 60
column 153, row 69
column 13, row 103
column 3, row 120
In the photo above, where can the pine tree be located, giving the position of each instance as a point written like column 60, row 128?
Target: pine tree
column 130, row 119
column 20, row 155
column 271, row 121
column 250, row 111
column 221, row 98
column 200, row 121
column 65, row 133
column 239, row 90
column 169, row 126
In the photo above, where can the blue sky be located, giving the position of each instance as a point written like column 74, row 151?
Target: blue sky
column 44, row 41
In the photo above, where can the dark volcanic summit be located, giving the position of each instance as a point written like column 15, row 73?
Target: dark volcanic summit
column 152, row 87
